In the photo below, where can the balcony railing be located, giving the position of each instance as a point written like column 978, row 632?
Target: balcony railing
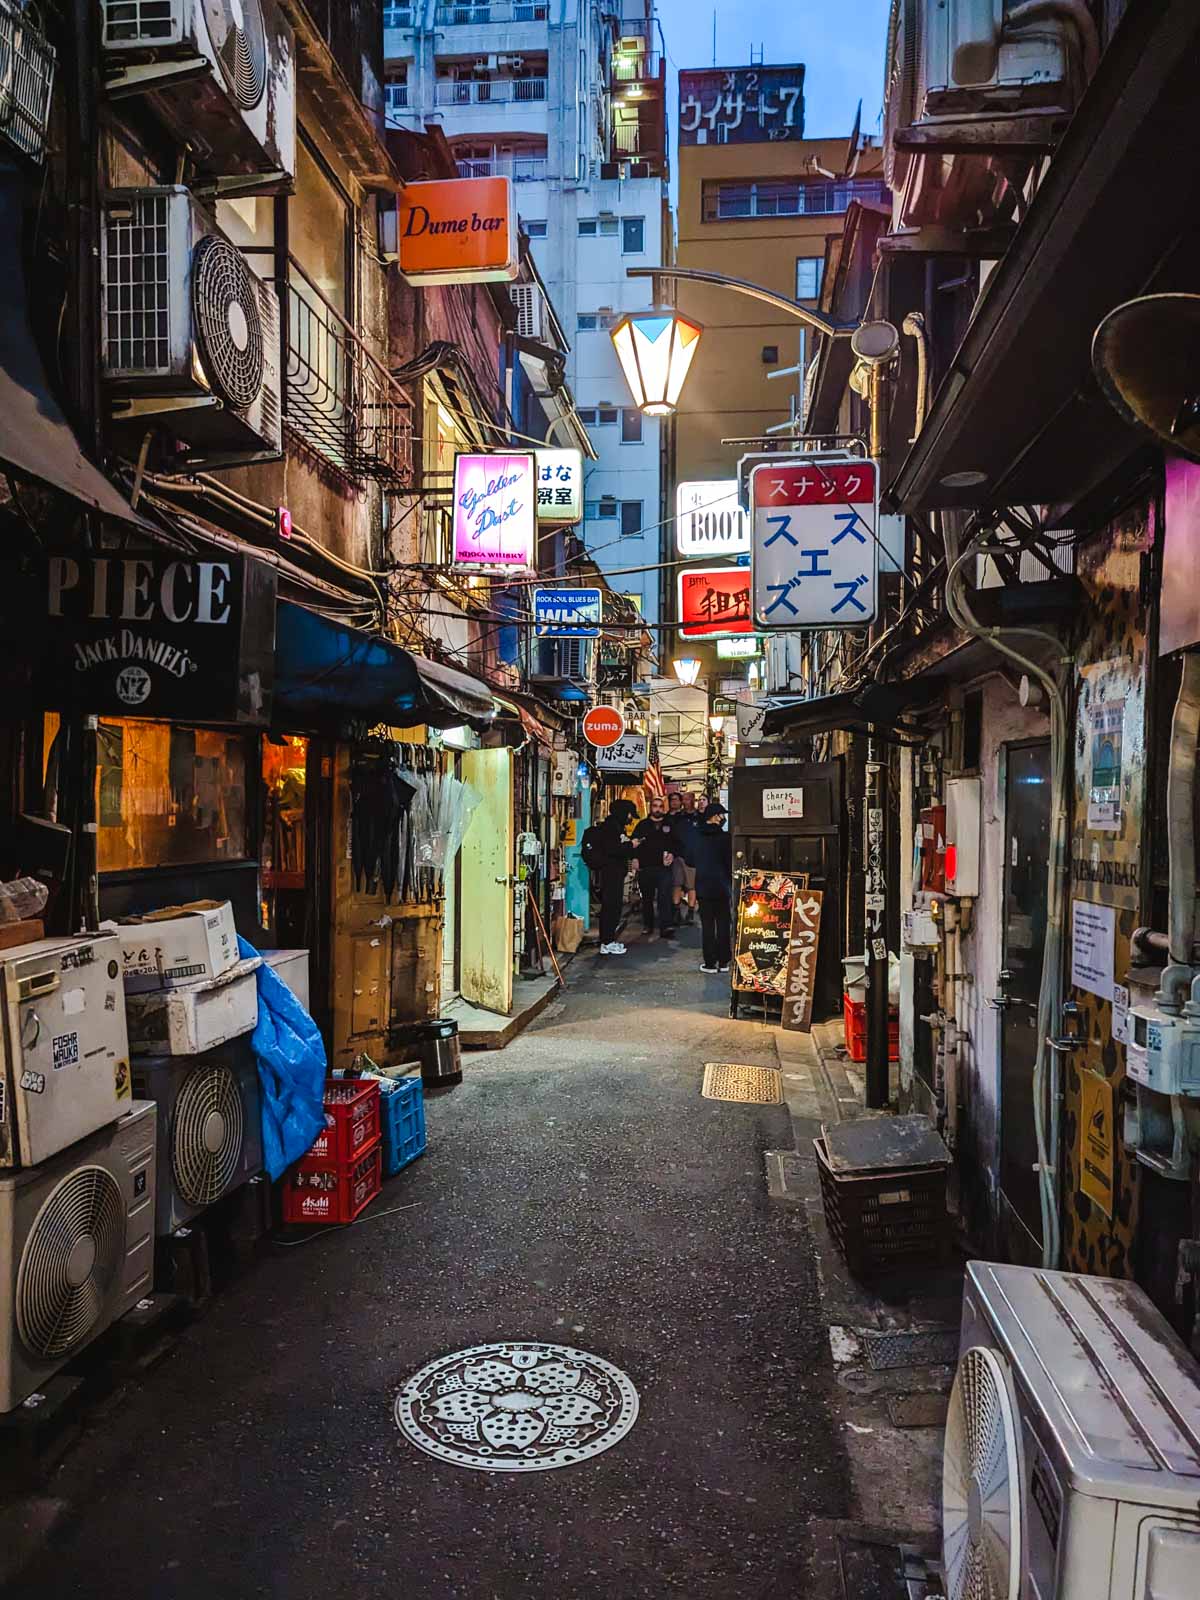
column 395, row 100
column 521, row 169
column 341, row 401
column 644, row 67
column 395, row 16
column 473, row 16
column 488, row 91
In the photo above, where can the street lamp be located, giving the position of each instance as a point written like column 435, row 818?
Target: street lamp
column 687, row 670
column 655, row 349
column 716, row 722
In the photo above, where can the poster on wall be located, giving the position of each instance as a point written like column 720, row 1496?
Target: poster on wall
column 1096, row 1134
column 493, row 512
column 800, row 975
column 1093, row 947
column 1104, row 791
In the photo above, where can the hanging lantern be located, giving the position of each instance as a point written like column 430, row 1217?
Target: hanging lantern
column 687, row 670
column 655, row 349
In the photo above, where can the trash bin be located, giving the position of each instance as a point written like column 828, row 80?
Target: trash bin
column 435, row 1045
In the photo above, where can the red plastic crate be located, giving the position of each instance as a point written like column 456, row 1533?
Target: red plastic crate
column 351, row 1123
column 318, row 1194
column 856, row 1030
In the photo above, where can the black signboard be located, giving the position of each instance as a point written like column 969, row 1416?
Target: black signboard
column 763, row 932
column 741, row 105
column 616, row 675
column 178, row 637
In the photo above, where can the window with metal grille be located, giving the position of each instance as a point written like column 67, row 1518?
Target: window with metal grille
column 397, row 16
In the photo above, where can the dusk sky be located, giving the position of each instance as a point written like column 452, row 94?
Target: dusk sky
column 841, row 43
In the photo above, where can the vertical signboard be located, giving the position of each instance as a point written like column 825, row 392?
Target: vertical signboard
column 493, row 512
column 801, row 974
column 559, row 486
column 815, row 546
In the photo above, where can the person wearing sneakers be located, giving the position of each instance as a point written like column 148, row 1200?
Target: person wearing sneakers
column 712, row 853
column 608, row 854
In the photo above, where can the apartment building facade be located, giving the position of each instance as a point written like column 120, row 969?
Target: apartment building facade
column 569, row 102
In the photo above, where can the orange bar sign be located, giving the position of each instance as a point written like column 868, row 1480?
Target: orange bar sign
column 458, row 230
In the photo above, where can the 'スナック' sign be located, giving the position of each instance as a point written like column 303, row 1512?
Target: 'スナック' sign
column 814, row 556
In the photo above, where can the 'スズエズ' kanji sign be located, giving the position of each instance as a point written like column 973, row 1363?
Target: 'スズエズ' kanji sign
column 814, row 558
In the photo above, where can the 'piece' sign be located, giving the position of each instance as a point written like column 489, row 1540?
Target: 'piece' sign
column 815, row 552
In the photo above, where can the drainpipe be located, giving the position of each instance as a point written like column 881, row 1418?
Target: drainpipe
column 876, row 934
column 914, row 326
column 1181, row 839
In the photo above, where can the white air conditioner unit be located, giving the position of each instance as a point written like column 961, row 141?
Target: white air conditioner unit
column 529, row 305
column 510, row 63
column 1072, row 1455
column 26, row 79
column 484, row 64
column 76, row 1249
column 190, row 335
column 209, row 1127
column 222, row 76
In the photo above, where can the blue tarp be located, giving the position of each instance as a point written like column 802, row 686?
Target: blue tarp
column 291, row 1070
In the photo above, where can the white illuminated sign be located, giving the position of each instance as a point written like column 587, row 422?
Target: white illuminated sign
column 559, row 485
column 709, row 520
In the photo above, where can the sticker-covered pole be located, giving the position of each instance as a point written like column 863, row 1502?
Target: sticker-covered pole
column 875, row 858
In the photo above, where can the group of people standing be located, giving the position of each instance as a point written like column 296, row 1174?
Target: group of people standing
column 683, row 857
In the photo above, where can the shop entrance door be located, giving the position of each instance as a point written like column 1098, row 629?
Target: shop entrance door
column 362, row 944
column 485, row 943
column 1027, row 849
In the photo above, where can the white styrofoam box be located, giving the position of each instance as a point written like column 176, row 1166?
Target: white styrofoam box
column 178, row 946
column 291, row 967
column 188, row 1021
column 964, row 807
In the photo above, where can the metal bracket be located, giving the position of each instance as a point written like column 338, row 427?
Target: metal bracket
column 141, row 79
column 243, row 183
column 159, row 405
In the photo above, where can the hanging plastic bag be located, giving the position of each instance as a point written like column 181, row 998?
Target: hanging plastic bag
column 291, row 1061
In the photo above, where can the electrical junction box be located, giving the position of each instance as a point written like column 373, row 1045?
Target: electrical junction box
column 964, row 806
column 920, row 930
column 1163, row 1052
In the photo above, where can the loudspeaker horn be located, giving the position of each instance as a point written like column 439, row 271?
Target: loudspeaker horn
column 1146, row 357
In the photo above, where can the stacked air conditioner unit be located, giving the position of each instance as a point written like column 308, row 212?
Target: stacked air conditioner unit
column 529, row 305
column 1072, row 1455
column 78, row 1153
column 190, row 335
column 221, row 74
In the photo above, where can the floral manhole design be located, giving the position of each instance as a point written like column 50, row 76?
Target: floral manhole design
column 520, row 1407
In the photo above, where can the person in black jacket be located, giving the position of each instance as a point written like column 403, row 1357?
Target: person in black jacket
column 657, row 845
column 712, row 857
column 607, row 854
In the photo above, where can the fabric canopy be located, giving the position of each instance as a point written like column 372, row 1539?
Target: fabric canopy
column 329, row 676
column 35, row 436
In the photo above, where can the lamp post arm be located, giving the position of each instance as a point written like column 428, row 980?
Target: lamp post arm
column 813, row 319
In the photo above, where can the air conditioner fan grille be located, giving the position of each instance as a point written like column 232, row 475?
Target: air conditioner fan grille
column 206, row 1138
column 981, row 1483
column 70, row 1262
column 228, row 322
column 240, row 45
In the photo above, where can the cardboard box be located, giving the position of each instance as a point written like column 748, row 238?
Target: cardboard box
column 179, row 946
column 187, row 1021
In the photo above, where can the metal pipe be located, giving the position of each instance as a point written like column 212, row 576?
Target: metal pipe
column 814, row 319
column 914, row 327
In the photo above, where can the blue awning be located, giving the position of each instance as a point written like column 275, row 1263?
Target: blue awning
column 329, row 677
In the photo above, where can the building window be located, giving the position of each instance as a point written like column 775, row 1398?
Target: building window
column 535, row 230
column 596, row 322
column 631, row 426
column 395, row 93
column 724, row 200
column 810, row 270
column 600, row 510
column 609, row 226
column 397, row 16
column 631, row 518
column 586, row 415
column 587, row 227
column 607, row 416
column 670, row 727
column 770, row 355
column 633, row 236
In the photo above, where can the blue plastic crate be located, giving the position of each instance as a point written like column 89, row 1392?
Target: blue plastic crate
column 402, row 1114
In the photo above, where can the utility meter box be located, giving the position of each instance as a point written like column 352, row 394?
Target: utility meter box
column 1163, row 1052
column 964, row 804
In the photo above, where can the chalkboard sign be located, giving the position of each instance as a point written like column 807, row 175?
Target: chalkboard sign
column 801, row 973
column 763, row 936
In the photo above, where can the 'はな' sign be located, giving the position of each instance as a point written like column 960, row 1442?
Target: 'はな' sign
column 493, row 512
column 458, row 230
column 559, row 486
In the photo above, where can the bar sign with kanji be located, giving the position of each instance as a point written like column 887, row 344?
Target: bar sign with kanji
column 814, row 559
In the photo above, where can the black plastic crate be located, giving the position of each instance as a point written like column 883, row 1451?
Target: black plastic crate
column 887, row 1219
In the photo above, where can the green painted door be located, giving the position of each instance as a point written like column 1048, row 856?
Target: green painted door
column 486, row 901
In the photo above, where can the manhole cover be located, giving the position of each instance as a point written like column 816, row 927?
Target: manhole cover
column 927, row 1347
column 729, row 1080
column 520, row 1407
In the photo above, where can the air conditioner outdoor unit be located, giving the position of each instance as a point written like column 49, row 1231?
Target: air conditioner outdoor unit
column 222, row 76
column 190, row 335
column 1072, row 1455
column 26, row 79
column 76, row 1249
column 485, row 64
column 528, row 303
column 511, row 63
column 209, row 1127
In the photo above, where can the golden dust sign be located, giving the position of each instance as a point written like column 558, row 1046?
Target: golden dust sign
column 1096, row 1134
column 458, row 230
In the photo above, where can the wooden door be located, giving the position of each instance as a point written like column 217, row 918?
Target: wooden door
column 485, row 942
column 362, row 943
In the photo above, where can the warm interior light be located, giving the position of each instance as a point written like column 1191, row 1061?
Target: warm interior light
column 656, row 350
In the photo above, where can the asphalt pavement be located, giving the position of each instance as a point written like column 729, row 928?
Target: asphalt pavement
column 577, row 1189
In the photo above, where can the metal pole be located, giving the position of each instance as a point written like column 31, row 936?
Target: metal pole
column 875, row 859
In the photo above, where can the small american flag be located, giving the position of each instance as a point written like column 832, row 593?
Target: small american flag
column 653, row 781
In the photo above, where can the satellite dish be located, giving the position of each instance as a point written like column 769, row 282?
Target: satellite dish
column 1146, row 357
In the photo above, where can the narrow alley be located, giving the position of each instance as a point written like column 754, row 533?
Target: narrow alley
column 578, row 1190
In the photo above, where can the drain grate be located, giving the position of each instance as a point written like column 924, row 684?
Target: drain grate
column 931, row 1347
column 730, row 1080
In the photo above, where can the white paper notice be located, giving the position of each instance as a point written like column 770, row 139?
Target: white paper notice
column 1120, row 1016
column 1093, row 936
